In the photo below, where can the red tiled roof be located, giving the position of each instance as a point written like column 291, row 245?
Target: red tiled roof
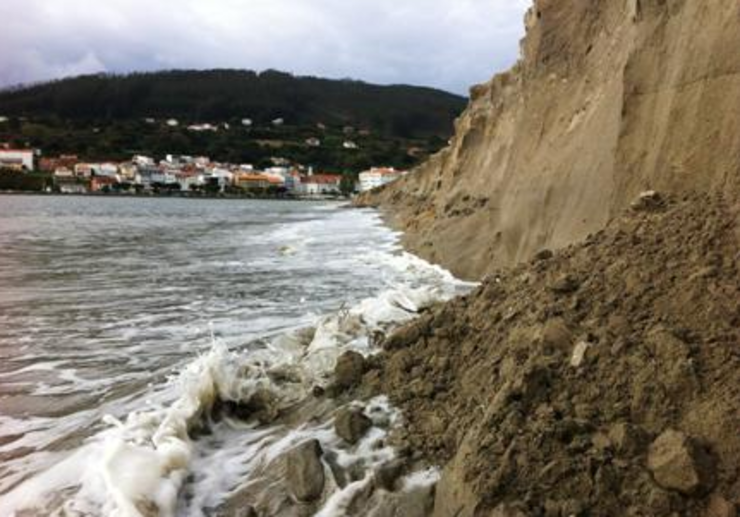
column 251, row 177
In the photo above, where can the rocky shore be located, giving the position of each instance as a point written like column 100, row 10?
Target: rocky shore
column 603, row 379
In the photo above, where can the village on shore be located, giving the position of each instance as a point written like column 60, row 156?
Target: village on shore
column 178, row 174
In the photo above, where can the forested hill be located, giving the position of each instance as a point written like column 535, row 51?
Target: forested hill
column 225, row 95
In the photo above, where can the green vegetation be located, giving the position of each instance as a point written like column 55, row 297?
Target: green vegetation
column 103, row 117
column 25, row 182
column 118, row 141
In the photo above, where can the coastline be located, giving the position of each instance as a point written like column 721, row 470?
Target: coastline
column 229, row 197
column 240, row 412
column 550, row 389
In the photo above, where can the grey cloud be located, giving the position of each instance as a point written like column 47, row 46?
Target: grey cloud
column 449, row 44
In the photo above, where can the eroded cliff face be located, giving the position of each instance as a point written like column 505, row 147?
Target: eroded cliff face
column 610, row 98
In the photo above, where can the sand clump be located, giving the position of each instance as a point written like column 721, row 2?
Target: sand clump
column 603, row 379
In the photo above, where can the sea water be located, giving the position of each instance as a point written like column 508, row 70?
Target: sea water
column 125, row 321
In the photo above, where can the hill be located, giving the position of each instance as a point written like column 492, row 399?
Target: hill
column 230, row 95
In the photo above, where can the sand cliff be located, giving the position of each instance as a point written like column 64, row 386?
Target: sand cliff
column 609, row 98
column 601, row 380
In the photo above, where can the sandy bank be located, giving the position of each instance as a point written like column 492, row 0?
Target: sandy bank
column 600, row 380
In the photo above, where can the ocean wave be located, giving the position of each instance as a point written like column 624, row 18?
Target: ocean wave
column 139, row 465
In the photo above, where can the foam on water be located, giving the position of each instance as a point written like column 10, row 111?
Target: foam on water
column 149, row 463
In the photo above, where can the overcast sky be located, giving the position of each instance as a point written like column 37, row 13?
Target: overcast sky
column 450, row 44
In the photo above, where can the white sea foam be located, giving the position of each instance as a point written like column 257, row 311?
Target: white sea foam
column 145, row 463
column 142, row 462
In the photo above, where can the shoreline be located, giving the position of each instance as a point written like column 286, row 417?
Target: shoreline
column 297, row 395
column 225, row 197
column 550, row 367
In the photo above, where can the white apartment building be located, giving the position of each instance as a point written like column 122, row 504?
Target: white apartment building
column 377, row 177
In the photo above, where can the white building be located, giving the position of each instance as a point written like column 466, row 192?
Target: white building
column 108, row 170
column 143, row 161
column 189, row 181
column 200, row 128
column 221, row 178
column 19, row 159
column 64, row 173
column 247, row 122
column 128, row 171
column 377, row 177
column 173, row 122
column 163, row 177
column 84, row 170
column 319, row 185
column 201, row 161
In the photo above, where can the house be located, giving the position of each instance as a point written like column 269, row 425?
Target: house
column 109, row 170
column 145, row 175
column 278, row 122
column 200, row 128
column 128, row 171
column 257, row 181
column 176, row 160
column 84, row 170
column 201, row 161
column 163, row 177
column 313, row 142
column 416, row 152
column 247, row 122
column 173, row 122
column 350, row 145
column 67, row 182
column 378, row 176
column 17, row 159
column 292, row 181
column 102, row 183
column 142, row 161
column 189, row 179
column 64, row 172
column 320, row 185
column 218, row 178
column 66, row 161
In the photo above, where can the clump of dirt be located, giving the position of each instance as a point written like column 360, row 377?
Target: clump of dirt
column 556, row 386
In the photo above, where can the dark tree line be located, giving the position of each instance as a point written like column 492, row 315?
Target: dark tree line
column 229, row 95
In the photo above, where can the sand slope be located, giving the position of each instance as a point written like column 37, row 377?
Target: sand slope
column 602, row 380
column 610, row 98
